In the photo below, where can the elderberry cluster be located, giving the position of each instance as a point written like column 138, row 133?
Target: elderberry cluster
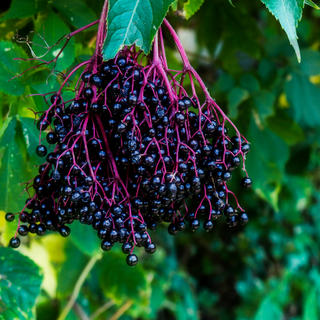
column 132, row 150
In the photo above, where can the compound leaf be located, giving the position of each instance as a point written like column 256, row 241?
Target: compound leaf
column 288, row 12
column 20, row 281
column 132, row 22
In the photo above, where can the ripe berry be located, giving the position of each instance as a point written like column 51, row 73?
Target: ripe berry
column 14, row 242
column 64, row 231
column 194, row 224
column 246, row 183
column 23, row 230
column 41, row 150
column 106, row 245
column 150, row 248
column 208, row 225
column 127, row 247
column 132, row 260
column 9, row 217
column 244, row 218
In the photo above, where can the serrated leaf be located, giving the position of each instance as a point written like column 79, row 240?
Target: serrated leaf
column 120, row 282
column 311, row 4
column 132, row 22
column 23, row 9
column 52, row 29
column 20, row 281
column 288, row 12
column 303, row 97
column 11, row 68
column 77, row 12
column 191, row 7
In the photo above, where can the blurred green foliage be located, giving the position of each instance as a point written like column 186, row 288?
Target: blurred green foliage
column 266, row 270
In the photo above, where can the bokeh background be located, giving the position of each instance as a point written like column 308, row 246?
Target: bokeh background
column 268, row 269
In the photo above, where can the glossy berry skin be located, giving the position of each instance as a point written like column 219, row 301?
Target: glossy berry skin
column 41, row 230
column 41, row 150
column 23, row 230
column 172, row 229
column 86, row 76
column 194, row 224
column 229, row 211
column 14, row 243
column 52, row 138
column 9, row 217
column 243, row 218
column 208, row 225
column 246, row 183
column 132, row 260
column 127, row 247
column 150, row 248
column 64, row 231
column 106, row 245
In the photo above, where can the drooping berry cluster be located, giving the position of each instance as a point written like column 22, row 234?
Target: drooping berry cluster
column 132, row 150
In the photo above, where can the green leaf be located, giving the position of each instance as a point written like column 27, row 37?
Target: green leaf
column 90, row 244
column 311, row 3
column 268, row 310
column 12, row 172
column 23, row 9
column 8, row 128
column 250, row 83
column 132, row 22
column 20, row 281
column 235, row 97
column 54, row 28
column 288, row 12
column 120, row 282
column 304, row 98
column 310, row 308
column 191, row 7
column 286, row 128
column 264, row 101
column 30, row 133
column 77, row 12
column 310, row 64
column 266, row 161
column 11, row 68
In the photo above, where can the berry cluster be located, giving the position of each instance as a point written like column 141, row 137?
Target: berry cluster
column 132, row 150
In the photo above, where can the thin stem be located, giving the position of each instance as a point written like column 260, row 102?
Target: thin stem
column 122, row 310
column 102, row 309
column 78, row 286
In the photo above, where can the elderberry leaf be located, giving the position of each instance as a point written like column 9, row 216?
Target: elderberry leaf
column 310, row 308
column 288, row 12
column 311, row 4
column 285, row 127
column 268, row 310
column 76, row 12
column 20, row 281
column 118, row 282
column 303, row 97
column 11, row 68
column 90, row 244
column 52, row 29
column 235, row 97
column 12, row 172
column 264, row 101
column 191, row 7
column 31, row 135
column 132, row 22
column 23, row 9
column 266, row 161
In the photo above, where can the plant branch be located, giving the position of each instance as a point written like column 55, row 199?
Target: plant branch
column 78, row 286
column 122, row 310
column 102, row 309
